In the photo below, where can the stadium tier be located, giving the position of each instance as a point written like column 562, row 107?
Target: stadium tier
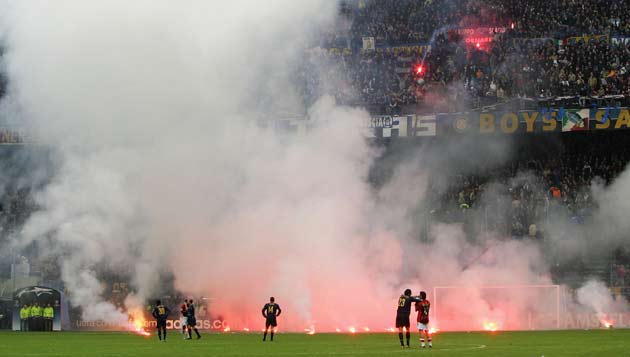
column 441, row 56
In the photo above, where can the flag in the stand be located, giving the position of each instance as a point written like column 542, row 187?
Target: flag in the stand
column 575, row 119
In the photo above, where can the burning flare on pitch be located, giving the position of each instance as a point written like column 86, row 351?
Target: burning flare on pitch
column 490, row 326
column 606, row 321
column 137, row 322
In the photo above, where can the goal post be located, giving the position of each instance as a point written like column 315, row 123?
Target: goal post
column 496, row 307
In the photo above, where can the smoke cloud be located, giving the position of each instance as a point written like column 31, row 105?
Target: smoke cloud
column 152, row 108
column 595, row 296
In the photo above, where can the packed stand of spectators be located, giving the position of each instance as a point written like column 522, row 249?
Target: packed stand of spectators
column 542, row 180
column 620, row 271
column 17, row 203
column 405, row 21
column 15, row 207
column 528, row 55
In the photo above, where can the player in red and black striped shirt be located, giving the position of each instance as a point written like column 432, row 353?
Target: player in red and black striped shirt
column 423, row 307
column 184, row 318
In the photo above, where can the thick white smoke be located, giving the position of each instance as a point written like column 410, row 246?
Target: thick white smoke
column 595, row 296
column 152, row 107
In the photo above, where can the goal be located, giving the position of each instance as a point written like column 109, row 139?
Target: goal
column 504, row 307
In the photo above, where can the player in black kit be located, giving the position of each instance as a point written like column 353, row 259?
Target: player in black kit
column 402, row 315
column 192, row 320
column 160, row 313
column 270, row 312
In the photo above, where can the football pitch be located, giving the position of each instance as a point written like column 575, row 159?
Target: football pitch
column 542, row 343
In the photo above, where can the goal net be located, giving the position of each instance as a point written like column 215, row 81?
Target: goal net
column 507, row 307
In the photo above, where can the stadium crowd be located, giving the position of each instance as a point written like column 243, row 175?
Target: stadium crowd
column 534, row 49
column 544, row 179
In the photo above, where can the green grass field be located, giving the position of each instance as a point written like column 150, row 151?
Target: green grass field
column 547, row 343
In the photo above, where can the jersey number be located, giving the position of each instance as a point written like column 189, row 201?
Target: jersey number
column 270, row 310
column 161, row 310
column 401, row 302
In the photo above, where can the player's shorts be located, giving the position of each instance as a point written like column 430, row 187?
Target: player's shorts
column 161, row 323
column 192, row 321
column 184, row 321
column 422, row 326
column 271, row 322
column 402, row 321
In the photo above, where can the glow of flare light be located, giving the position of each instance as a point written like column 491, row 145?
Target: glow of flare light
column 226, row 329
column 352, row 330
column 607, row 324
column 433, row 330
column 310, row 330
column 490, row 326
column 137, row 322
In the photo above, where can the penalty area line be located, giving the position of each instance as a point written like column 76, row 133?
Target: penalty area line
column 474, row 347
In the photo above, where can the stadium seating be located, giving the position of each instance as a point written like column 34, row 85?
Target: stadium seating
column 539, row 49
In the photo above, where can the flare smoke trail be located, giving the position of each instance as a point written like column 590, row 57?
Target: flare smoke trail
column 151, row 109
column 595, row 296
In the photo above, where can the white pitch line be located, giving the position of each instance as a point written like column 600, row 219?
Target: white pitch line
column 476, row 347
column 362, row 352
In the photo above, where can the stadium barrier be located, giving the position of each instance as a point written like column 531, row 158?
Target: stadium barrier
column 545, row 120
column 509, row 122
